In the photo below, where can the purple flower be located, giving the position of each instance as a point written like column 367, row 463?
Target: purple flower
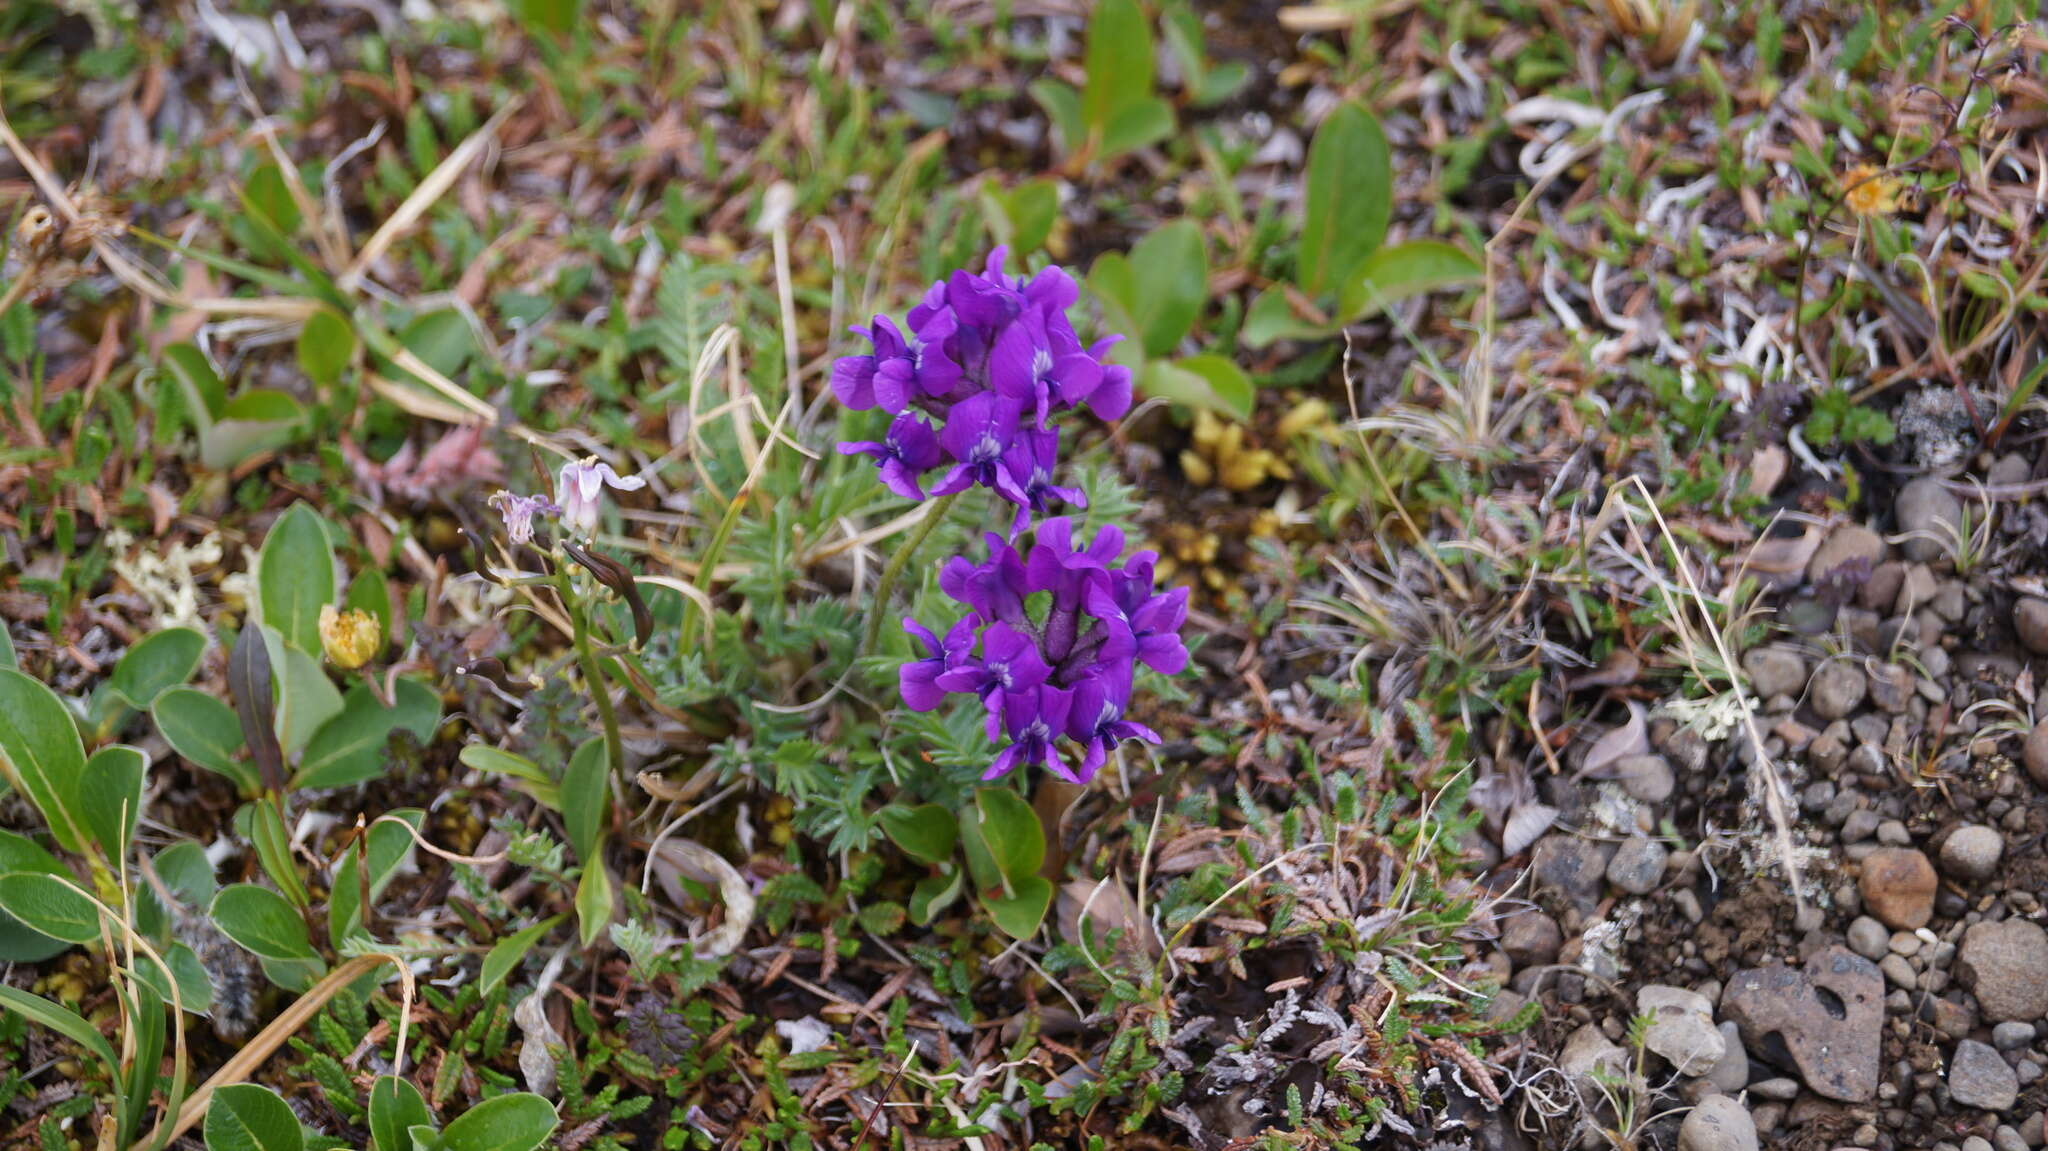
column 581, row 488
column 1039, row 363
column 1096, row 719
column 1152, row 622
column 909, row 450
column 1032, row 457
column 901, row 369
column 978, row 432
column 1009, row 662
column 994, row 590
column 917, row 678
column 518, row 513
column 1034, row 720
column 1112, row 397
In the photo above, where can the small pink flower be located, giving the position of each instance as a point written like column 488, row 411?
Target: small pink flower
column 581, row 488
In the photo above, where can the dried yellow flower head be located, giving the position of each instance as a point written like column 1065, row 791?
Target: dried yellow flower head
column 1870, row 191
column 350, row 637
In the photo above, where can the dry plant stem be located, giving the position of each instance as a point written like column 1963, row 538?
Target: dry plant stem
column 245, row 1062
column 935, row 512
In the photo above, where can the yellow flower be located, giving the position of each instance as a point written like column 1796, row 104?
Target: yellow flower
column 350, row 637
column 1870, row 192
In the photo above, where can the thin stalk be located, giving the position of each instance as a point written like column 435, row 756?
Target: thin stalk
column 938, row 509
column 593, row 674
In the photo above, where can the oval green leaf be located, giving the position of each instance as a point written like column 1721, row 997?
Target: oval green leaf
column 157, row 662
column 263, row 922
column 1348, row 198
column 516, row 1122
column 295, row 577
column 41, row 755
column 206, row 732
column 245, row 1117
column 51, row 905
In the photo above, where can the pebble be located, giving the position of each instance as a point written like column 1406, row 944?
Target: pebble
column 1573, row 868
column 2030, row 620
column 1730, row 1073
column 1681, row 1028
column 1846, row 544
column 1891, row 687
column 1717, row 1123
column 1979, row 1077
column 1781, row 1089
column 1774, row 671
column 1837, row 689
column 1972, row 852
column 1531, row 939
column 1589, row 1048
column 2008, row 1138
column 1638, row 865
column 1646, row 778
column 2012, row 1035
column 1828, row 1013
column 1898, row 886
column 2005, row 965
column 1927, row 507
column 2037, row 754
column 1869, row 938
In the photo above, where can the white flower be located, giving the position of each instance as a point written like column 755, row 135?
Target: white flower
column 582, row 486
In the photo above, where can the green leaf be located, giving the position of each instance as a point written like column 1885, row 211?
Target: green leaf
column 516, row 1122
column 1021, row 217
column 1393, row 274
column 110, row 793
column 1010, row 830
column 1063, row 109
column 206, row 732
column 245, row 1117
column 59, row 1019
column 1271, row 318
column 295, row 577
column 205, row 394
column 50, row 905
column 348, row 748
column 8, row 659
column 1019, row 915
column 933, row 894
column 195, row 987
column 326, row 345
column 396, row 1106
column 20, row 943
column 387, row 845
column 595, row 898
column 263, row 922
column 306, row 698
column 927, row 833
column 1118, row 62
column 1204, row 381
column 505, row 954
column 185, row 870
column 41, row 755
column 554, row 17
column 416, row 709
column 266, row 194
column 484, row 757
column 1155, row 294
column 273, row 849
column 1140, row 125
column 1349, row 198
column 442, row 339
column 156, row 663
column 586, row 795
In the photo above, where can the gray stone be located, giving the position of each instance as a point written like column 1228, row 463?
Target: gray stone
column 1647, row 778
column 2012, row 1035
column 2030, row 621
column 1826, row 1017
column 1780, row 1089
column 1730, row 1073
column 2005, row 965
column 2037, row 754
column 1589, row 1048
column 1848, row 543
column 1971, row 852
column 1774, row 671
column 1571, row 868
column 1638, row 865
column 1531, row 939
column 1869, row 938
column 1837, row 689
column 1891, row 687
column 1717, row 1123
column 1931, row 515
column 1860, row 825
column 2008, row 1138
column 1979, row 1077
column 1681, row 1028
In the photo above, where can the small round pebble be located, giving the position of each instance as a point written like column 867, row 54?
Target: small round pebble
column 2012, row 1035
column 2037, row 753
column 1837, row 689
column 1869, row 938
column 1638, row 865
column 2030, row 621
column 1972, row 852
column 1898, row 886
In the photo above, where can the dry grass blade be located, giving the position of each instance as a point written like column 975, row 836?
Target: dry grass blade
column 423, row 197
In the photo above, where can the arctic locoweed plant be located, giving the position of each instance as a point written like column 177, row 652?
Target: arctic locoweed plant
column 1055, row 628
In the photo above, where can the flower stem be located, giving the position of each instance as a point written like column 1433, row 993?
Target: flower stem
column 933, row 514
column 593, row 676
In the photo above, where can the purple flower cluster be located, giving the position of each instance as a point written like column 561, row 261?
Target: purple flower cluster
column 1061, row 628
column 973, row 380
